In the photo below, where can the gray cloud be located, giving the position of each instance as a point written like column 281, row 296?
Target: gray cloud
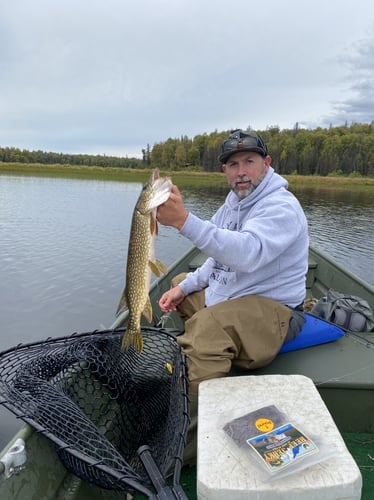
column 111, row 77
column 359, row 106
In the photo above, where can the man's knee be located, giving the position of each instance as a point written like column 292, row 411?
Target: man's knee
column 192, row 303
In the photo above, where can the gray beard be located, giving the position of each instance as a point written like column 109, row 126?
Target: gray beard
column 243, row 193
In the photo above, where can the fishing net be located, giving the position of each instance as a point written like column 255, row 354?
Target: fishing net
column 118, row 419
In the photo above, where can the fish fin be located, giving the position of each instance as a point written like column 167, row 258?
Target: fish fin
column 122, row 305
column 147, row 311
column 157, row 267
column 130, row 338
column 154, row 268
column 153, row 225
column 161, row 266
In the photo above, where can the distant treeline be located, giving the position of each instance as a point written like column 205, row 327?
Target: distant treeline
column 344, row 150
column 15, row 155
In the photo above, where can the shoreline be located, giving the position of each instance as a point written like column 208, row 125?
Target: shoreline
column 181, row 178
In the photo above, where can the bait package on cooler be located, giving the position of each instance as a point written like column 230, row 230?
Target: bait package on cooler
column 276, row 445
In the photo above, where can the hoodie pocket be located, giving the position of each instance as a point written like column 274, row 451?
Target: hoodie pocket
column 221, row 283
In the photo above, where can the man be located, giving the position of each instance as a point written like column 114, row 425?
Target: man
column 253, row 282
column 246, row 300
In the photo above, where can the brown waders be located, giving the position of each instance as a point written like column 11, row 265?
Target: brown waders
column 245, row 333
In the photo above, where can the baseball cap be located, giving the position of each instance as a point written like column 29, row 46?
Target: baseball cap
column 242, row 141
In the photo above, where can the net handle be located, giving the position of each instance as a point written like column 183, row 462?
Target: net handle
column 164, row 491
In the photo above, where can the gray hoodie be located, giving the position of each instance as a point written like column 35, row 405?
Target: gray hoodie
column 256, row 246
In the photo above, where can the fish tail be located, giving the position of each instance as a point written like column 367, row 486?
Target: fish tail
column 132, row 338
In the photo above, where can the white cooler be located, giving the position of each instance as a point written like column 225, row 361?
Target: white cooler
column 224, row 470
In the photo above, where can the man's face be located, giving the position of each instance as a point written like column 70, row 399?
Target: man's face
column 244, row 171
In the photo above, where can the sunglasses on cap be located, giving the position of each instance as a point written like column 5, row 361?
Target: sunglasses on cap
column 241, row 141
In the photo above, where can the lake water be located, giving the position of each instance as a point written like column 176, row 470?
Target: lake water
column 64, row 245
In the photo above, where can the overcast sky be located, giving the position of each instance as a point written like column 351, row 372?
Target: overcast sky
column 110, row 77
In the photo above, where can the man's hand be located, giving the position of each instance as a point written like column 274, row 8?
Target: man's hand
column 171, row 299
column 172, row 212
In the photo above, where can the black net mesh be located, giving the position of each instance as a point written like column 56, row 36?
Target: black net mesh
column 99, row 405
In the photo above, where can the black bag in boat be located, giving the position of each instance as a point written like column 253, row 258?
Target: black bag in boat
column 347, row 311
column 118, row 419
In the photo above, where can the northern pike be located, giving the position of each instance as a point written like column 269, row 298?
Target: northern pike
column 141, row 261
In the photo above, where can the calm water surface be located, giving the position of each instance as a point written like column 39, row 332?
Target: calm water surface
column 64, row 246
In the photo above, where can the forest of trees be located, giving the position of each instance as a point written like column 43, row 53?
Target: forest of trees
column 344, row 150
column 15, row 155
column 337, row 150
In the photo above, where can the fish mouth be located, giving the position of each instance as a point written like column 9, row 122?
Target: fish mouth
column 155, row 174
column 160, row 186
column 155, row 193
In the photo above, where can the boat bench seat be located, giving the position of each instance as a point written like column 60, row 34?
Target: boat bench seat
column 197, row 261
column 227, row 470
column 310, row 278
